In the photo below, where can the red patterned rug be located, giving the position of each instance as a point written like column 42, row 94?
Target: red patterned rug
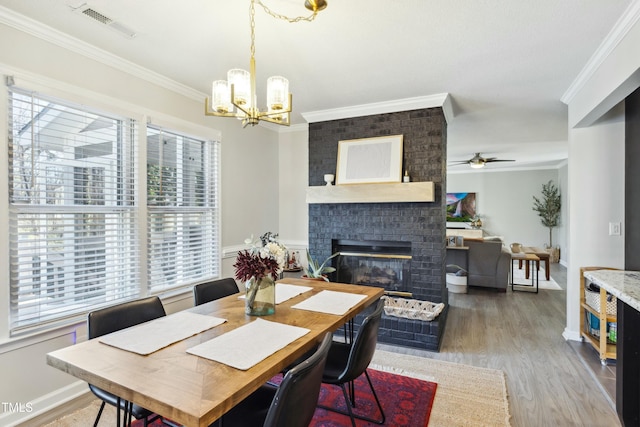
column 406, row 402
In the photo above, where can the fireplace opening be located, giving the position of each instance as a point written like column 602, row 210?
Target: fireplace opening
column 384, row 264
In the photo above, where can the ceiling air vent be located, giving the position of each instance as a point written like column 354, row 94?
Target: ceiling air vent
column 105, row 20
column 97, row 16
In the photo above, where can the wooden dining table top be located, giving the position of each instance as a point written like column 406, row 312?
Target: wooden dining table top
column 192, row 390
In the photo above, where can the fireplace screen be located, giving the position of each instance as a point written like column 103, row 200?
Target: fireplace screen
column 385, row 266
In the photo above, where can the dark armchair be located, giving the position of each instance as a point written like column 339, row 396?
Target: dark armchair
column 346, row 362
column 210, row 291
column 115, row 318
column 291, row 404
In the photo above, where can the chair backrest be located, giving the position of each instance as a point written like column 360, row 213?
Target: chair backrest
column 364, row 345
column 295, row 401
column 205, row 292
column 483, row 257
column 121, row 316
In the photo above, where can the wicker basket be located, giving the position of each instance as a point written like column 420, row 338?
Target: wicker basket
column 593, row 300
column 412, row 308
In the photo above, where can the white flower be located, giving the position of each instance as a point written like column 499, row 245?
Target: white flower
column 276, row 252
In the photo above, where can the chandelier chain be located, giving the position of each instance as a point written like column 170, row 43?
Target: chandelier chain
column 252, row 21
column 286, row 18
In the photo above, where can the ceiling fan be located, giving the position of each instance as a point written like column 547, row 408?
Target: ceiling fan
column 477, row 161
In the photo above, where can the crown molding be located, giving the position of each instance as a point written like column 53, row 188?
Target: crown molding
column 626, row 22
column 46, row 33
column 431, row 101
column 51, row 35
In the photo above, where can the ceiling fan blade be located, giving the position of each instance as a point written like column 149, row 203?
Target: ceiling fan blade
column 477, row 161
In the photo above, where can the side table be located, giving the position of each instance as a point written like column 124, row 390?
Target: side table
column 528, row 259
column 543, row 255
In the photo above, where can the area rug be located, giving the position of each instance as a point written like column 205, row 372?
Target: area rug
column 519, row 279
column 406, row 401
column 467, row 395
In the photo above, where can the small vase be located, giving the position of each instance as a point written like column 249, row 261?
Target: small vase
column 261, row 296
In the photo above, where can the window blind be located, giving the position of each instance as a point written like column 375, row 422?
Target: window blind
column 72, row 210
column 182, row 202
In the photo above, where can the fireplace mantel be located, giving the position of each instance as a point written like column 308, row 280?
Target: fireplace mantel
column 372, row 193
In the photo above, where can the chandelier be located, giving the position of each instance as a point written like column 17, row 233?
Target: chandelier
column 236, row 96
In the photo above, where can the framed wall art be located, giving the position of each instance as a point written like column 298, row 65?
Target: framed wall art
column 369, row 160
column 461, row 207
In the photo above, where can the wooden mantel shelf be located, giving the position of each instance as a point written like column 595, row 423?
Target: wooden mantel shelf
column 372, row 193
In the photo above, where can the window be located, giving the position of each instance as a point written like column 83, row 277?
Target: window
column 72, row 210
column 182, row 201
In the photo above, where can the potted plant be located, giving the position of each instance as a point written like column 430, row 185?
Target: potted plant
column 549, row 212
column 259, row 267
column 317, row 271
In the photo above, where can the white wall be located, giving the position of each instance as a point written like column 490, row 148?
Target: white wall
column 294, row 179
column 596, row 158
column 596, row 181
column 504, row 202
column 249, row 194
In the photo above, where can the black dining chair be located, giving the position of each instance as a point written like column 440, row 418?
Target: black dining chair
column 347, row 361
column 115, row 318
column 291, row 404
column 205, row 292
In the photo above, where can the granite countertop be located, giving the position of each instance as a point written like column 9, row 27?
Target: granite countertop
column 625, row 285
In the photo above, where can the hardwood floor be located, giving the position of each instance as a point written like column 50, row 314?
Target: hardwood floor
column 548, row 382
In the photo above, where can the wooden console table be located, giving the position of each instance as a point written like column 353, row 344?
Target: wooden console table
column 467, row 233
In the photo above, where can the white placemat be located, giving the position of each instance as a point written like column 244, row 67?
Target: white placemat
column 248, row 345
column 286, row 291
column 331, row 302
column 158, row 333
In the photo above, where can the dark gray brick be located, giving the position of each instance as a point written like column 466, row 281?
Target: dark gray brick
column 421, row 224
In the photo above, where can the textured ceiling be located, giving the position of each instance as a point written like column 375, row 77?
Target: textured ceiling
column 505, row 63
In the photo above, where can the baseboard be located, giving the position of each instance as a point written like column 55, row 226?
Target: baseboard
column 49, row 407
column 569, row 335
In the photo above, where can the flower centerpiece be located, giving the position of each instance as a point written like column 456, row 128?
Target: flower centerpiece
column 258, row 267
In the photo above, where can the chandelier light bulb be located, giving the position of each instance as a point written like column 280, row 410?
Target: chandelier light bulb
column 221, row 96
column 241, row 81
column 277, row 93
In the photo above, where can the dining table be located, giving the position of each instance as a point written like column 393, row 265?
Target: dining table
column 193, row 381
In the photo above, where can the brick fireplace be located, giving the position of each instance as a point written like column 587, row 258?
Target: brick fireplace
column 418, row 228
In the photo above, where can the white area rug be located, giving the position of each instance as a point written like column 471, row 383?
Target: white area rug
column 519, row 279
